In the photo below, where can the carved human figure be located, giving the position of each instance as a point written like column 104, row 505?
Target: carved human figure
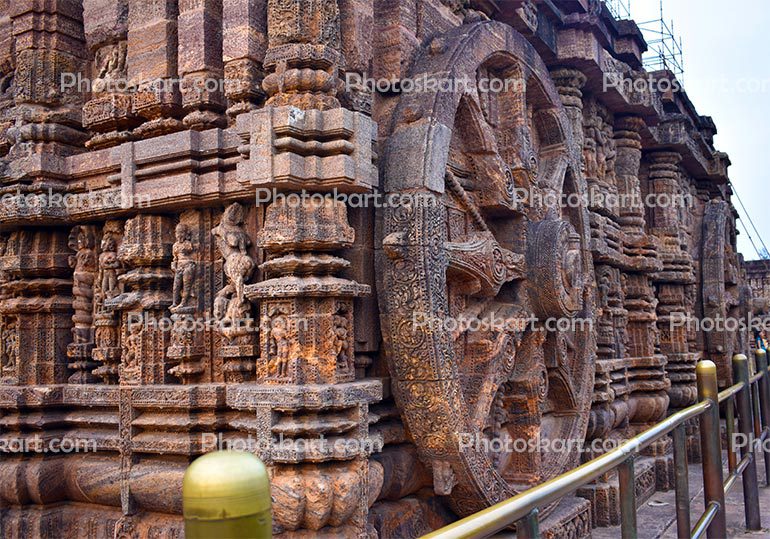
column 112, row 60
column 589, row 154
column 233, row 243
column 84, row 270
column 133, row 346
column 183, row 266
column 85, row 259
column 279, row 344
column 601, row 153
column 340, row 339
column 604, row 290
column 108, row 268
column 10, row 349
column 222, row 302
column 238, row 314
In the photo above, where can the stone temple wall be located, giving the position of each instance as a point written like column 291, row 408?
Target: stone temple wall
column 284, row 260
column 758, row 278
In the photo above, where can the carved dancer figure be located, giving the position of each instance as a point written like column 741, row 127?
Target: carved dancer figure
column 10, row 349
column 233, row 242
column 133, row 346
column 279, row 344
column 184, row 266
column 340, row 338
column 108, row 268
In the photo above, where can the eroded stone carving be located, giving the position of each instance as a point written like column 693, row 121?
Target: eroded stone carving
column 231, row 308
column 9, row 355
column 107, row 349
column 84, row 265
column 186, row 341
column 499, row 379
column 176, row 305
column 184, row 266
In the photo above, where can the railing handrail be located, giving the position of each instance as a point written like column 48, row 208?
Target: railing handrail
column 525, row 504
column 507, row 512
column 730, row 391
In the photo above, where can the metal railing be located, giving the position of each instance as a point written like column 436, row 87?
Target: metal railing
column 740, row 399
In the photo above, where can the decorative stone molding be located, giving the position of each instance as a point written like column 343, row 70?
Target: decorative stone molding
column 289, row 148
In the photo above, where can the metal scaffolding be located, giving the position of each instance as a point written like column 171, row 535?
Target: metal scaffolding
column 620, row 9
column 664, row 49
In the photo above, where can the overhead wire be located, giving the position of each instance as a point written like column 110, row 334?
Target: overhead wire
column 764, row 254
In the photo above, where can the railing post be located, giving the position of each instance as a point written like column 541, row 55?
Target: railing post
column 682, row 484
column 227, row 494
column 627, row 499
column 711, row 451
column 529, row 526
column 746, row 427
column 764, row 405
column 732, row 461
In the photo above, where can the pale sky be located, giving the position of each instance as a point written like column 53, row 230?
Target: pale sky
column 727, row 76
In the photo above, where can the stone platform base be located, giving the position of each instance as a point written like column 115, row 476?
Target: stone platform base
column 409, row 517
column 665, row 472
column 415, row 516
column 605, row 495
column 571, row 519
column 85, row 521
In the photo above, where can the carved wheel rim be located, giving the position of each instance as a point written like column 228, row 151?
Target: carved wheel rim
column 461, row 249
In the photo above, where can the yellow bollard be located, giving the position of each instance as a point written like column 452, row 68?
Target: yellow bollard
column 711, row 451
column 226, row 494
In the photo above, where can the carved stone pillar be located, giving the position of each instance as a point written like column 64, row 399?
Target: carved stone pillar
column 592, row 127
column 647, row 379
column 49, row 44
column 664, row 184
column 152, row 66
column 629, row 155
column 642, row 258
column 200, row 63
column 307, row 346
column 243, row 48
column 306, row 310
column 109, row 111
column 37, row 306
column 569, row 83
column 609, row 418
column 142, row 307
column 9, row 335
column 672, row 282
column 717, row 280
column 43, row 112
column 304, row 53
column 599, row 158
column 306, row 313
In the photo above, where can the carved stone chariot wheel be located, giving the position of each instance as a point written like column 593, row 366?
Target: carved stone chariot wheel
column 476, row 247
